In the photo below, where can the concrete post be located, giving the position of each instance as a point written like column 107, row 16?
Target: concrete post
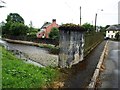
column 71, row 45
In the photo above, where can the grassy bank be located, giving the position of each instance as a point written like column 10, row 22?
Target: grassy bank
column 18, row 74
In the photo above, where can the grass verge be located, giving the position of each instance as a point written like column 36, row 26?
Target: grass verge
column 18, row 74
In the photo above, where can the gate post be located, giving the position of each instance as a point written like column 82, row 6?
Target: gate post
column 71, row 45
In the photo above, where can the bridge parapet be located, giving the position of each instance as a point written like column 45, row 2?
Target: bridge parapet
column 71, row 45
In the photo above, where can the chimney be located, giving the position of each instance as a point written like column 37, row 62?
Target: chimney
column 54, row 20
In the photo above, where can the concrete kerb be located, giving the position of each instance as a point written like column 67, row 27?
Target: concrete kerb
column 93, row 82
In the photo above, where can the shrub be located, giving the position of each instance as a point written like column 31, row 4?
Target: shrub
column 70, row 26
column 54, row 34
column 18, row 29
column 54, row 50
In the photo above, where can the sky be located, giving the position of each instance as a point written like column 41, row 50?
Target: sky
column 64, row 11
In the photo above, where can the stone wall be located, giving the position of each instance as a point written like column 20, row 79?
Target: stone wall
column 71, row 47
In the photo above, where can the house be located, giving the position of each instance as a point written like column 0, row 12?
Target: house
column 112, row 30
column 46, row 28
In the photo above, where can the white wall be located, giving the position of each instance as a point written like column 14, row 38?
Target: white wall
column 111, row 34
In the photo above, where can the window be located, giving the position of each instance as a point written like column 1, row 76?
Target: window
column 108, row 31
column 111, row 36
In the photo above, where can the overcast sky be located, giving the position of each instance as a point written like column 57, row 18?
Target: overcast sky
column 64, row 11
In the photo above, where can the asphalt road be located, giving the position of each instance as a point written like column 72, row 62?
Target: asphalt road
column 110, row 78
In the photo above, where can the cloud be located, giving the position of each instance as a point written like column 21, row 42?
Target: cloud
column 65, row 11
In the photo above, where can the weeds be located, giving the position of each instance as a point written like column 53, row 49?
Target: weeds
column 17, row 74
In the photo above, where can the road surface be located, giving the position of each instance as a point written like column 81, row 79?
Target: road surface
column 110, row 78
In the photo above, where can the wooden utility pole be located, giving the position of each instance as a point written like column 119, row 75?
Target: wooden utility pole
column 95, row 20
column 80, row 15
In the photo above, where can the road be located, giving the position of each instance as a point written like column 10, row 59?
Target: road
column 110, row 77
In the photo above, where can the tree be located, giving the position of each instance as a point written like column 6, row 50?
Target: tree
column 54, row 34
column 14, row 26
column 88, row 27
column 6, row 29
column 18, row 29
column 14, row 17
column 107, row 26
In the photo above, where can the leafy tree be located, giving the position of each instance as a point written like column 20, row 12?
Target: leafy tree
column 102, row 29
column 54, row 34
column 14, row 17
column 14, row 26
column 107, row 26
column 6, row 29
column 88, row 27
column 18, row 29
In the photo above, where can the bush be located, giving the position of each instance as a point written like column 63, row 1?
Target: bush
column 71, row 26
column 54, row 50
column 54, row 34
column 18, row 29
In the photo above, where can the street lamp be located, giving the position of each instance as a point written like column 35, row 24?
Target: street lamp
column 96, row 18
column 1, row 6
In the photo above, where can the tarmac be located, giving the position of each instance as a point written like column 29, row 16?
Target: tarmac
column 110, row 77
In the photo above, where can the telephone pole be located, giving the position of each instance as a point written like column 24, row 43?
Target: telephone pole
column 80, row 15
column 95, row 20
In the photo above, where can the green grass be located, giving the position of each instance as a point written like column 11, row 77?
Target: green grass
column 18, row 74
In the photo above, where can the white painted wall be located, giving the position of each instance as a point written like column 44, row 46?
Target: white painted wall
column 111, row 34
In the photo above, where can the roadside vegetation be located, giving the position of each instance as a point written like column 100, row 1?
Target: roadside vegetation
column 117, row 36
column 18, row 74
